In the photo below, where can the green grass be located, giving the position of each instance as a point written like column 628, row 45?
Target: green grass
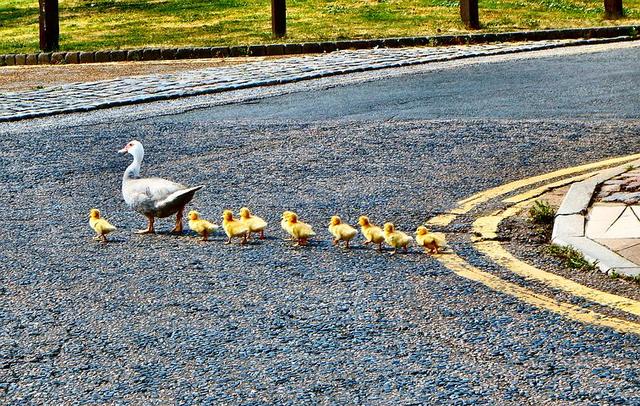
column 542, row 213
column 571, row 258
column 121, row 24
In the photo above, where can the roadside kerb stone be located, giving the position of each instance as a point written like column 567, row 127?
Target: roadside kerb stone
column 118, row 56
column 605, row 259
column 44, row 58
column 10, row 60
column 21, row 59
column 102, row 56
column 330, row 46
column 151, row 54
column 2, row 60
column 569, row 225
column 57, row 57
column 257, row 50
column 31, row 59
column 72, row 57
column 168, row 53
column 86, row 57
column 134, row 55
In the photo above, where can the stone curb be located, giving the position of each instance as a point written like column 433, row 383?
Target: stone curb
column 152, row 54
column 569, row 225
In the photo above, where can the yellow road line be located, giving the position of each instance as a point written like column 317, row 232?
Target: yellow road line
column 466, row 205
column 462, row 268
column 546, row 188
column 486, row 227
column 495, row 251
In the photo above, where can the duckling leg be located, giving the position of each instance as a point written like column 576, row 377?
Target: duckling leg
column 406, row 249
column 150, row 229
column 205, row 236
column 262, row 234
column 335, row 241
column 178, row 228
column 380, row 247
column 103, row 238
column 244, row 239
column 346, row 244
column 228, row 241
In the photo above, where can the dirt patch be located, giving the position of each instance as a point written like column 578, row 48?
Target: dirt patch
column 20, row 78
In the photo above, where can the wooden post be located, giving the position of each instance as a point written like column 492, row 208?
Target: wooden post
column 469, row 14
column 613, row 9
column 279, row 18
column 49, row 25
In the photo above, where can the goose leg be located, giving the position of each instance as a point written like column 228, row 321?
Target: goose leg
column 178, row 228
column 150, row 229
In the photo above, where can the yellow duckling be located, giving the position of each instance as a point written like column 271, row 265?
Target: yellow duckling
column 201, row 226
column 396, row 239
column 433, row 243
column 341, row 231
column 284, row 223
column 372, row 233
column 233, row 227
column 101, row 226
column 301, row 232
column 254, row 223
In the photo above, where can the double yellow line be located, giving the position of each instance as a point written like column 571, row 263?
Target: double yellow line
column 485, row 227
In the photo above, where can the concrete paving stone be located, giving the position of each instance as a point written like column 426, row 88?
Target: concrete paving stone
column 617, row 244
column 613, row 222
column 631, row 253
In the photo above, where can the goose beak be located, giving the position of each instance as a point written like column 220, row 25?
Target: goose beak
column 123, row 151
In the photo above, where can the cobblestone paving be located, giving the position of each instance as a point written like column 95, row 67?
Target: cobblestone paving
column 116, row 92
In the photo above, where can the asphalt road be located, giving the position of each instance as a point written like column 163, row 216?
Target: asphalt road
column 164, row 319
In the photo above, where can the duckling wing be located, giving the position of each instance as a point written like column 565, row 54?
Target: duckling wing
column 103, row 227
column 256, row 223
column 439, row 239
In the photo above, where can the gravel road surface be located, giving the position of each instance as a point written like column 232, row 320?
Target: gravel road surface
column 165, row 319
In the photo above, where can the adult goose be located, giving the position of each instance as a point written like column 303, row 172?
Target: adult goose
column 153, row 197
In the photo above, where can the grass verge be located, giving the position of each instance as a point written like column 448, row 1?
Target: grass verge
column 571, row 258
column 121, row 24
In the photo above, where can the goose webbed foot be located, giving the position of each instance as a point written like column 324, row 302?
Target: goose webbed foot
column 178, row 228
column 149, row 229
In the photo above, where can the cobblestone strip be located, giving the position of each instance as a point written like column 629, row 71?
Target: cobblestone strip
column 88, row 96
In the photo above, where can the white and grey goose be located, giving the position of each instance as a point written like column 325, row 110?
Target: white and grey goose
column 153, row 197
